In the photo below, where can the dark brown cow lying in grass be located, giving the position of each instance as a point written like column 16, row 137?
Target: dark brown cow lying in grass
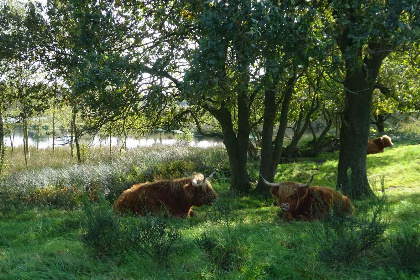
column 175, row 197
column 313, row 203
column 280, row 191
column 379, row 144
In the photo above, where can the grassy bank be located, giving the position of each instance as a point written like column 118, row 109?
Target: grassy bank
column 44, row 234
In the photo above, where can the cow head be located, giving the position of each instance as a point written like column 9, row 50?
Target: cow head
column 293, row 201
column 283, row 189
column 386, row 141
column 201, row 191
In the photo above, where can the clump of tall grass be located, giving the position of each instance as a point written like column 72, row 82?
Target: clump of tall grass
column 152, row 236
column 226, row 254
column 101, row 228
column 342, row 239
column 403, row 251
column 110, row 235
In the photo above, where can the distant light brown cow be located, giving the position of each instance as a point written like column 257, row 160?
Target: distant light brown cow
column 313, row 203
column 175, row 197
column 379, row 144
column 280, row 191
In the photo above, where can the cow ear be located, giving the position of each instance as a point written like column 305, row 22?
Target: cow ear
column 189, row 191
column 274, row 191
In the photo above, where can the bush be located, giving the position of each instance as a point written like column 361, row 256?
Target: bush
column 404, row 250
column 224, row 209
column 344, row 239
column 226, row 255
column 101, row 228
column 174, row 169
column 60, row 198
column 151, row 236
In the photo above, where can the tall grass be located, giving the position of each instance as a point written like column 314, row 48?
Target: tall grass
column 102, row 175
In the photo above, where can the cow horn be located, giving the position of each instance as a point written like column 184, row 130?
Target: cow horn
column 196, row 184
column 210, row 176
column 268, row 183
column 307, row 184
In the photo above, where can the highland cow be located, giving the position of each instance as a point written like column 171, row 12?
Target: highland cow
column 379, row 144
column 280, row 191
column 173, row 197
column 313, row 203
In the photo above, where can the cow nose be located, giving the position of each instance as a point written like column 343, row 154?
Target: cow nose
column 285, row 206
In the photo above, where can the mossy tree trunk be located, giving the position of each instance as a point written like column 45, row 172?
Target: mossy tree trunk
column 359, row 85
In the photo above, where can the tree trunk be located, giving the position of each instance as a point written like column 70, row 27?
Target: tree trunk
column 271, row 151
column 2, row 147
column 53, row 129
column 236, row 145
column 71, row 137
column 76, row 136
column 110, row 142
column 380, row 122
column 38, row 132
column 267, row 148
column 25, row 139
column 354, row 131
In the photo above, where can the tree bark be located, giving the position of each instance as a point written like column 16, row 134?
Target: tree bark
column 236, row 144
column 354, row 132
column 2, row 147
column 271, row 150
column 53, row 129
column 25, row 139
column 76, row 136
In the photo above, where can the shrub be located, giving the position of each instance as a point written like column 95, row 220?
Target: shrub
column 226, row 255
column 224, row 209
column 174, row 169
column 60, row 198
column 404, row 250
column 151, row 236
column 343, row 239
column 101, row 228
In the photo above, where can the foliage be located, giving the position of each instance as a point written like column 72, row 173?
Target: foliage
column 152, row 236
column 101, row 228
column 173, row 169
column 226, row 255
column 112, row 236
column 404, row 249
column 344, row 239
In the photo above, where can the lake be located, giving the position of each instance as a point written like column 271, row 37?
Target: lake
column 163, row 138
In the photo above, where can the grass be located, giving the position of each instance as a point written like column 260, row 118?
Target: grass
column 237, row 238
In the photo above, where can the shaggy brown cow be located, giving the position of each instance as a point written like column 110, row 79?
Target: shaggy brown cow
column 168, row 196
column 313, row 203
column 280, row 191
column 379, row 144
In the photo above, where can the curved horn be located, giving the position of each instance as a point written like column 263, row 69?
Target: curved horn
column 307, row 184
column 268, row 183
column 195, row 184
column 210, row 176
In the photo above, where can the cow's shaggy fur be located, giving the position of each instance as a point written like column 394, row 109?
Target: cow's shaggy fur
column 379, row 144
column 173, row 197
column 313, row 203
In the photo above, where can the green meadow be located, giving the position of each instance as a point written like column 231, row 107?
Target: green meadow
column 56, row 221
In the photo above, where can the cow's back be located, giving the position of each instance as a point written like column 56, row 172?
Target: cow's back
column 141, row 199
